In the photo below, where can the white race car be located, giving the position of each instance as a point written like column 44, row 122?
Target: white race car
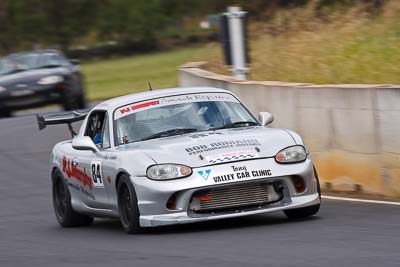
column 176, row 156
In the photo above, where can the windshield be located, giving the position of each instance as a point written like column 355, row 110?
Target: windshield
column 26, row 61
column 4, row 67
column 9, row 66
column 178, row 115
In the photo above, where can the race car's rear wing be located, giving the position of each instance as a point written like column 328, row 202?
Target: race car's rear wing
column 64, row 118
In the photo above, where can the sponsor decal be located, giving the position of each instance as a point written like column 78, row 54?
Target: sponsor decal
column 138, row 106
column 172, row 100
column 73, row 172
column 200, row 135
column 224, row 178
column 232, row 156
column 204, row 173
column 81, row 189
column 242, row 172
column 242, row 143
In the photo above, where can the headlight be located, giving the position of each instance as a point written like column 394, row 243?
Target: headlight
column 2, row 89
column 50, row 80
column 291, row 154
column 168, row 171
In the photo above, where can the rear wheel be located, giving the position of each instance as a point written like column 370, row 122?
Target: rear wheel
column 307, row 211
column 65, row 215
column 127, row 205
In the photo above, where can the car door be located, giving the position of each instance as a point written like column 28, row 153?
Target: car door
column 93, row 162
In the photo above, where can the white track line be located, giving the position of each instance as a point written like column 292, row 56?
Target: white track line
column 362, row 200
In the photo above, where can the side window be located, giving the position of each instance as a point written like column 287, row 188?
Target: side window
column 91, row 125
column 51, row 59
column 95, row 128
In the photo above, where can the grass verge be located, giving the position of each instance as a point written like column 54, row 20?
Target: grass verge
column 120, row 76
column 345, row 46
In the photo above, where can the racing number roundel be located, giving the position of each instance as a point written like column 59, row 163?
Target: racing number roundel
column 97, row 176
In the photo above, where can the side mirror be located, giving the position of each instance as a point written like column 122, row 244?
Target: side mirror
column 84, row 143
column 74, row 61
column 265, row 118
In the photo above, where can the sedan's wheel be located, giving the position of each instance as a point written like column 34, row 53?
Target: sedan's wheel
column 71, row 102
column 5, row 114
column 73, row 95
column 81, row 101
column 65, row 215
column 127, row 205
column 68, row 104
column 307, row 211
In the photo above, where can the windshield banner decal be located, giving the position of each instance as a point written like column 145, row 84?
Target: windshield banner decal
column 173, row 100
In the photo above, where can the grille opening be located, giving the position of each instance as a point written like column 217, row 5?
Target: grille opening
column 234, row 197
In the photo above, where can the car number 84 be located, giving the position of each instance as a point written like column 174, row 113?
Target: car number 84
column 96, row 174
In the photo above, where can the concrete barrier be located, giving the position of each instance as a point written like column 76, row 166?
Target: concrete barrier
column 351, row 130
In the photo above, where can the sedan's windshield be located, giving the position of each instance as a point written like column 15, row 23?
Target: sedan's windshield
column 4, row 68
column 32, row 60
column 9, row 66
column 179, row 115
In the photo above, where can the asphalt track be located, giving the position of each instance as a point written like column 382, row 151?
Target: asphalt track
column 343, row 233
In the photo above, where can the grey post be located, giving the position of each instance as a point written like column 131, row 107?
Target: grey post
column 236, row 32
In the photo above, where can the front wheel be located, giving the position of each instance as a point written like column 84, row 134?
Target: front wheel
column 127, row 205
column 65, row 215
column 302, row 212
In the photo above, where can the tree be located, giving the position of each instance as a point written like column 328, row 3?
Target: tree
column 69, row 19
column 6, row 37
column 127, row 21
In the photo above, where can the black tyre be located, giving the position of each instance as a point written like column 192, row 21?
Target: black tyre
column 69, row 103
column 127, row 205
column 302, row 212
column 318, row 185
column 74, row 95
column 307, row 211
column 81, row 101
column 65, row 215
column 5, row 114
column 72, row 103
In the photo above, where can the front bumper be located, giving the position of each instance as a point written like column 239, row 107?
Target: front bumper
column 154, row 195
column 31, row 97
column 182, row 217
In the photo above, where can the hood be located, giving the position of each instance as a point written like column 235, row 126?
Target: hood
column 205, row 148
column 29, row 76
